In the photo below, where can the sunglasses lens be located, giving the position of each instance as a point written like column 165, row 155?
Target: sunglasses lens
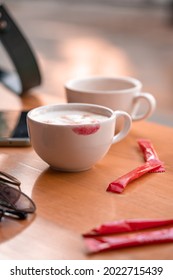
column 10, row 194
column 13, row 198
column 4, row 177
column 25, row 204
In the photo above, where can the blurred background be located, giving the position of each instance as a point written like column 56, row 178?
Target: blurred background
column 75, row 38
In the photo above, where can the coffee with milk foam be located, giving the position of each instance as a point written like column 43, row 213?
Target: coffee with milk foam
column 71, row 117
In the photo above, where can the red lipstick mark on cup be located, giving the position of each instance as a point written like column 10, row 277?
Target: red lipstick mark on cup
column 86, row 129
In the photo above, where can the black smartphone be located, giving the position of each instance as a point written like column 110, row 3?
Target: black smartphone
column 13, row 128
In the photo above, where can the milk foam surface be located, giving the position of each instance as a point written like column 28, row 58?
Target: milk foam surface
column 67, row 117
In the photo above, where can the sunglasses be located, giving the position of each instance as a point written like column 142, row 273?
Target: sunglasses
column 13, row 202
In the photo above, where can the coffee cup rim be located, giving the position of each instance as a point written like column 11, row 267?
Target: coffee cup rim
column 70, row 105
column 70, row 84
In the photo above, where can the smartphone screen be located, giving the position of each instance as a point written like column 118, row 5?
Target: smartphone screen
column 13, row 128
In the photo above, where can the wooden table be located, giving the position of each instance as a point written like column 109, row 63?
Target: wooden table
column 69, row 204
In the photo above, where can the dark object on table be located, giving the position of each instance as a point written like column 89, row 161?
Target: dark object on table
column 27, row 73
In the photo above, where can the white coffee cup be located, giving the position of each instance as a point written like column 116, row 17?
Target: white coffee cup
column 117, row 93
column 65, row 142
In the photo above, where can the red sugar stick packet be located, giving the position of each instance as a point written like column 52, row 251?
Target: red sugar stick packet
column 98, row 244
column 119, row 184
column 128, row 225
column 150, row 153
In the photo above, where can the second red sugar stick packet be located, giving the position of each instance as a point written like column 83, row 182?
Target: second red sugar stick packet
column 119, row 184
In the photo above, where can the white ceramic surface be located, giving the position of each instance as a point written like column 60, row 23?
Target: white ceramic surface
column 74, row 147
column 117, row 93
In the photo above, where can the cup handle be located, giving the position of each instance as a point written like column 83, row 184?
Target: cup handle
column 126, row 126
column 151, row 102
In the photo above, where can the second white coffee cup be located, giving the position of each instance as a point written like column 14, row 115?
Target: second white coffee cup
column 118, row 93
